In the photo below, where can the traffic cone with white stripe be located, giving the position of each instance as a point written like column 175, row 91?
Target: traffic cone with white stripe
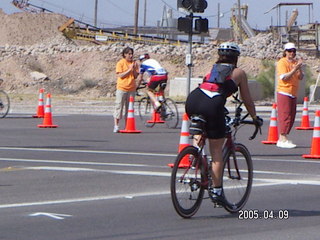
column 131, row 123
column 184, row 141
column 155, row 118
column 273, row 127
column 40, row 108
column 305, row 124
column 315, row 145
column 47, row 120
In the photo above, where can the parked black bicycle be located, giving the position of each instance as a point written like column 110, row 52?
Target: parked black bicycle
column 191, row 173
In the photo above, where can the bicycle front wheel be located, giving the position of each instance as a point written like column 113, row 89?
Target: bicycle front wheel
column 146, row 112
column 237, row 178
column 187, row 179
column 169, row 113
column 4, row 104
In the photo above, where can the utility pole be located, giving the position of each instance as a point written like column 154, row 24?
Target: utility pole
column 189, row 59
column 136, row 16
column 218, row 24
column 239, row 22
column 145, row 13
column 95, row 13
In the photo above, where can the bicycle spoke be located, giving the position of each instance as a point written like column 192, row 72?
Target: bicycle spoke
column 169, row 113
column 146, row 112
column 237, row 178
column 186, row 183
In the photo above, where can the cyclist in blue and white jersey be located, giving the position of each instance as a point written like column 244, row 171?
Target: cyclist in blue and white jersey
column 158, row 77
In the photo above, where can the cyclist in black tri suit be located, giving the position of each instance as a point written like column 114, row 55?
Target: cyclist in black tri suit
column 209, row 99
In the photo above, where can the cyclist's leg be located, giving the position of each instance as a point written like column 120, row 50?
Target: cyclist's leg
column 162, row 87
column 152, row 85
column 215, row 146
column 215, row 128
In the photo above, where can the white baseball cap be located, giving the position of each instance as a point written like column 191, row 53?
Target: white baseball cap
column 289, row 45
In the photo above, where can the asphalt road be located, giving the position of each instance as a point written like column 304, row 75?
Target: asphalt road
column 81, row 181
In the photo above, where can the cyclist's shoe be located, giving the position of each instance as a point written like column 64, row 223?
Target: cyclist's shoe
column 157, row 106
column 165, row 113
column 217, row 199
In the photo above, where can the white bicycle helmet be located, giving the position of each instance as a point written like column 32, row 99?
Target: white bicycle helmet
column 229, row 49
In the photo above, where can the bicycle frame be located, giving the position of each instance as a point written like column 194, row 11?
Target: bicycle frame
column 229, row 145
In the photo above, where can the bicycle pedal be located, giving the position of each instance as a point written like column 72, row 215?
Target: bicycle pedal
column 216, row 205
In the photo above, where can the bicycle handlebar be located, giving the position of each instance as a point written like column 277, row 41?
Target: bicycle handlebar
column 257, row 128
column 243, row 121
column 142, row 85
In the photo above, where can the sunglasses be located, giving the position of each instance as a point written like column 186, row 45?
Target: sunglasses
column 291, row 50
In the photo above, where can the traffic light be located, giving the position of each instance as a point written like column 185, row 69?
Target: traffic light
column 199, row 6
column 195, row 6
column 201, row 25
column 185, row 24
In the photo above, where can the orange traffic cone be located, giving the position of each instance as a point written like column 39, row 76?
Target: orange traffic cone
column 40, row 108
column 155, row 118
column 273, row 127
column 315, row 145
column 47, row 120
column 131, row 124
column 305, row 124
column 184, row 141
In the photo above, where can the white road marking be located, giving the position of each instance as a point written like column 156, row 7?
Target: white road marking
column 272, row 182
column 57, row 216
column 87, row 151
column 75, row 200
column 258, row 181
column 145, row 173
column 267, row 158
column 75, row 162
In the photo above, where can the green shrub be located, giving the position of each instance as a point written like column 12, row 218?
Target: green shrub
column 266, row 78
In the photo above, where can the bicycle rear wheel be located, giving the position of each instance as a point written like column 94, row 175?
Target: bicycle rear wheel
column 146, row 112
column 237, row 178
column 187, row 186
column 169, row 113
column 4, row 104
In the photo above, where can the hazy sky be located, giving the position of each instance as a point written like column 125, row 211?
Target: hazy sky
column 114, row 13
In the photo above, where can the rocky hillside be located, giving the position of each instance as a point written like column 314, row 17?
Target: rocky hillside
column 34, row 54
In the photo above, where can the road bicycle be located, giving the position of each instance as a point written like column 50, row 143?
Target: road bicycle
column 167, row 113
column 191, row 173
column 4, row 102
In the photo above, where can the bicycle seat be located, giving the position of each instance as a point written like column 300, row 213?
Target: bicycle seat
column 197, row 125
column 163, row 85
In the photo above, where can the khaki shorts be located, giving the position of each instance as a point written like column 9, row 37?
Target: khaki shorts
column 122, row 103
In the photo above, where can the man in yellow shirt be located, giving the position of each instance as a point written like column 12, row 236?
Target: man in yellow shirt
column 127, row 71
column 289, row 74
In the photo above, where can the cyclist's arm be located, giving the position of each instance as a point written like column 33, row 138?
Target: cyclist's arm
column 241, row 79
column 139, row 79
